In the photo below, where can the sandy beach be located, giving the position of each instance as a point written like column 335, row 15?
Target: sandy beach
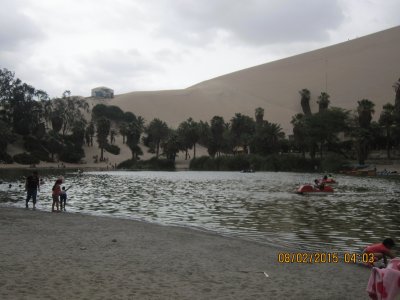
column 47, row 255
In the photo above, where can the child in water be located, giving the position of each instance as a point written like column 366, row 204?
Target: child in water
column 63, row 197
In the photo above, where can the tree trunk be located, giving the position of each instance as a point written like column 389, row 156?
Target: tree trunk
column 388, row 142
column 194, row 150
column 157, row 149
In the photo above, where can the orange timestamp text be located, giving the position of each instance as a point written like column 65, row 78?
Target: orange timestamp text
column 324, row 257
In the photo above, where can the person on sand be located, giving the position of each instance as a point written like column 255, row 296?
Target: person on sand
column 382, row 250
column 32, row 186
column 56, row 195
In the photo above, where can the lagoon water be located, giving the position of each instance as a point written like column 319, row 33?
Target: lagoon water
column 257, row 206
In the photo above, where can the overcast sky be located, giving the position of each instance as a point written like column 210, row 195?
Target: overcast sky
column 138, row 45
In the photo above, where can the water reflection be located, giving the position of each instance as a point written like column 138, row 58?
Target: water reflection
column 258, row 206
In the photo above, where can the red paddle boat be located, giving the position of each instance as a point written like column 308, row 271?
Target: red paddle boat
column 310, row 189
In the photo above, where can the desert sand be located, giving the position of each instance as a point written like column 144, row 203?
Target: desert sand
column 351, row 71
column 47, row 255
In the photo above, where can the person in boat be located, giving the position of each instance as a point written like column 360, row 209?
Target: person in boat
column 319, row 184
column 382, row 250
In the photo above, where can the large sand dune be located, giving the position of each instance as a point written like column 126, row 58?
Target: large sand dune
column 365, row 67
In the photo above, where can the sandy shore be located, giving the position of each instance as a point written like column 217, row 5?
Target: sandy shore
column 73, row 256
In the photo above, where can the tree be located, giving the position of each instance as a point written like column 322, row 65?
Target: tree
column 386, row 120
column 217, row 129
column 305, row 101
column 69, row 109
column 113, row 133
column 322, row 129
column 171, row 145
column 103, row 130
column 323, row 101
column 53, row 144
column 365, row 111
column 90, row 134
column 6, row 136
column 242, row 129
column 259, row 114
column 267, row 138
column 299, row 133
column 189, row 135
column 156, row 132
column 133, row 133
column 362, row 134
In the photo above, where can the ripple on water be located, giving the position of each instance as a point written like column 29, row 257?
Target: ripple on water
column 258, row 206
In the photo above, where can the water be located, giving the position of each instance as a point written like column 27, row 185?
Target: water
column 256, row 206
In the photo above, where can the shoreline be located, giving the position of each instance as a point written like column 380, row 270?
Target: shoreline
column 45, row 254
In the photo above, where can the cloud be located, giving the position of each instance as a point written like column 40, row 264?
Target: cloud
column 16, row 28
column 256, row 22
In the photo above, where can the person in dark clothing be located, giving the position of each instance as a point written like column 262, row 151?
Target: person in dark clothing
column 32, row 186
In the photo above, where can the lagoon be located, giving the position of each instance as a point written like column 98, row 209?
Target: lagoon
column 254, row 206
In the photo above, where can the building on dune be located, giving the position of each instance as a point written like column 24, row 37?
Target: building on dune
column 102, row 92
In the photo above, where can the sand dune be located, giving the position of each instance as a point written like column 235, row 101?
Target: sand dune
column 365, row 67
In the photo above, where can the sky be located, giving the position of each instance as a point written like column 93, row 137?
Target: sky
column 144, row 45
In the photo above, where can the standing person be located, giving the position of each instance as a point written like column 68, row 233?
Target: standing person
column 56, row 195
column 32, row 186
column 63, row 197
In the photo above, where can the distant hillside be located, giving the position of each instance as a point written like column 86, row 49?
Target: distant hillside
column 365, row 67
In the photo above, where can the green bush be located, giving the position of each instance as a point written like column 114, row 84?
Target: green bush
column 256, row 162
column 151, row 164
column 41, row 155
column 333, row 163
column 203, row 163
column 72, row 154
column 113, row 149
column 5, row 158
column 26, row 159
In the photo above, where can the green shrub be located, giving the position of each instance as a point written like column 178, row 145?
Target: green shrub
column 26, row 159
column 151, row 164
column 203, row 163
column 113, row 149
column 72, row 154
column 273, row 162
column 5, row 158
column 41, row 155
column 333, row 163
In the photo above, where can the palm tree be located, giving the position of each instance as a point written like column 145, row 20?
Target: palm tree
column 113, row 134
column 242, row 129
column 299, row 132
column 323, row 101
column 103, row 130
column 387, row 120
column 259, row 113
column 365, row 111
column 305, row 101
column 396, row 87
column 157, row 131
column 133, row 133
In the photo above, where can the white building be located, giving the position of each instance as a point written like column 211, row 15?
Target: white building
column 102, row 92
